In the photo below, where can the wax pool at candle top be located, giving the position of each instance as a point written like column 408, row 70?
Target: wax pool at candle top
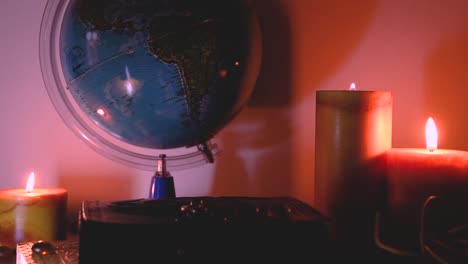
column 37, row 192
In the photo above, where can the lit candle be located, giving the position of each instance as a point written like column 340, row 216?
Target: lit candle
column 32, row 214
column 415, row 174
column 353, row 129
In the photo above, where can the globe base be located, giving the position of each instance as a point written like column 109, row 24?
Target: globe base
column 162, row 187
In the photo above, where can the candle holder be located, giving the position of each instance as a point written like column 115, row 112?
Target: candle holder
column 442, row 233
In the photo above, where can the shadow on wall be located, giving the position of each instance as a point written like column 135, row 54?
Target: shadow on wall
column 256, row 157
column 304, row 44
column 89, row 186
column 446, row 83
column 325, row 36
column 274, row 81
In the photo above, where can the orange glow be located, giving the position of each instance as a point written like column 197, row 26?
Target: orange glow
column 352, row 86
column 431, row 135
column 30, row 183
column 222, row 73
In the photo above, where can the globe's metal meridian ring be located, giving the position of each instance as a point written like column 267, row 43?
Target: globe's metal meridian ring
column 49, row 62
column 193, row 69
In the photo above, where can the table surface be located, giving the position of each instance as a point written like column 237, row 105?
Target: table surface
column 68, row 253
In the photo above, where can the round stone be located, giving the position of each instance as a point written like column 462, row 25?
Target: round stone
column 43, row 248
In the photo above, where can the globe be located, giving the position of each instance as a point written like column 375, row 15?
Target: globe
column 136, row 78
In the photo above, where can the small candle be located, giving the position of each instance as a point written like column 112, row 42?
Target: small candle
column 32, row 214
column 415, row 174
column 353, row 129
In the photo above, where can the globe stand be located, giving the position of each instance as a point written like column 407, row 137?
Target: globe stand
column 205, row 149
column 162, row 183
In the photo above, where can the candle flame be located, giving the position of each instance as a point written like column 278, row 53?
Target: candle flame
column 30, row 183
column 431, row 135
column 352, row 86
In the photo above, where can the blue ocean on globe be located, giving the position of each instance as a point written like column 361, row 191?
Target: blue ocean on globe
column 159, row 74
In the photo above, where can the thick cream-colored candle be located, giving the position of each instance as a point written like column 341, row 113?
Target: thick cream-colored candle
column 416, row 174
column 353, row 130
column 31, row 215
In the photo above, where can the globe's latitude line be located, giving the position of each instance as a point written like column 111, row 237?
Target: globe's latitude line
column 129, row 51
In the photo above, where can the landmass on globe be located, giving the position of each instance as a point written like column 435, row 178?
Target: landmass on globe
column 159, row 74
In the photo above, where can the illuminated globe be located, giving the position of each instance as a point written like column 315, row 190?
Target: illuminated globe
column 138, row 78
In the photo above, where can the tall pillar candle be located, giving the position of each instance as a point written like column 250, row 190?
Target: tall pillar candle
column 353, row 130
